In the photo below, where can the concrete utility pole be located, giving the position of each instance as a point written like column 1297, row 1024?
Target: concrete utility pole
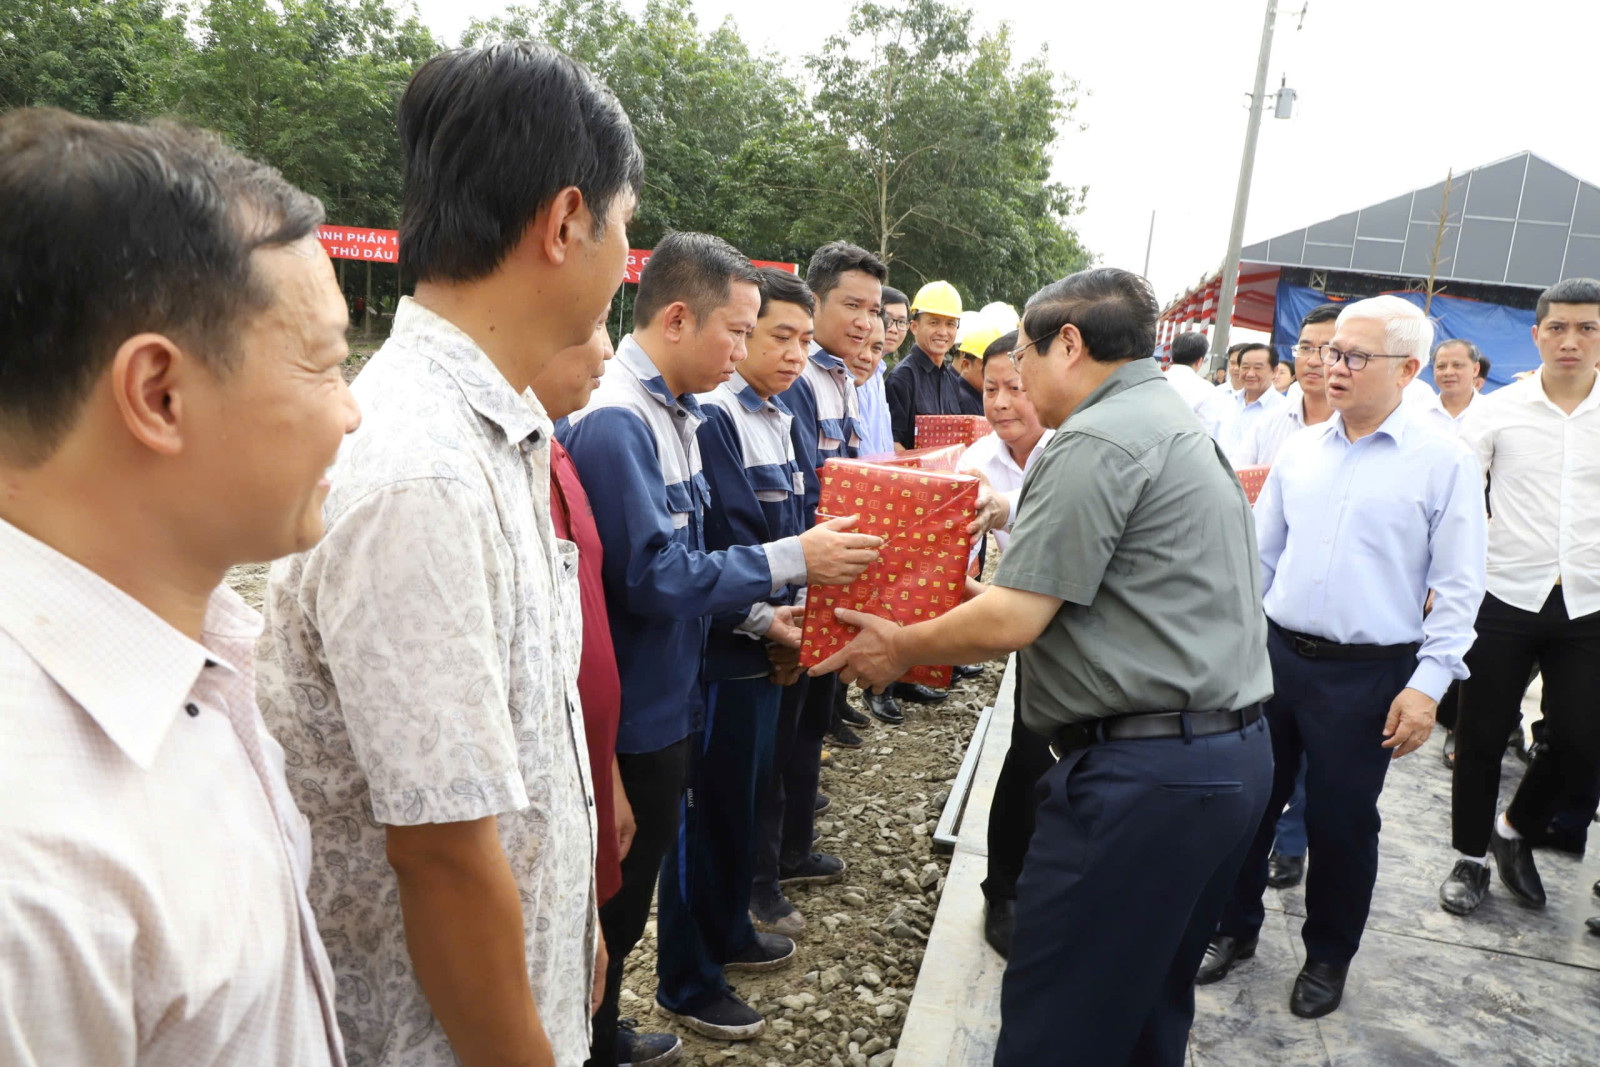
column 1149, row 242
column 1241, row 200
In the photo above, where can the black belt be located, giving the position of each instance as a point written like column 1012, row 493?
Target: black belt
column 1321, row 648
column 1151, row 725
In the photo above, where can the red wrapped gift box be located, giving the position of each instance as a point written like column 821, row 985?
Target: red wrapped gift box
column 938, row 458
column 1252, row 478
column 934, row 430
column 921, row 572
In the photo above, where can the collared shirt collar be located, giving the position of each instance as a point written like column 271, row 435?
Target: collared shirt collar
column 638, row 362
column 923, row 363
column 1394, row 427
column 127, row 667
column 825, row 359
column 480, row 381
column 1132, row 373
column 1537, row 395
column 746, row 393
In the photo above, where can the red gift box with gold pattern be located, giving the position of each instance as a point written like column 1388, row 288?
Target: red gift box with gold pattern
column 1252, row 478
column 938, row 458
column 935, row 430
column 921, row 571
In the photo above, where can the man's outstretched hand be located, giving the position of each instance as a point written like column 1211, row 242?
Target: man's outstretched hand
column 834, row 555
column 871, row 659
column 993, row 512
column 785, row 630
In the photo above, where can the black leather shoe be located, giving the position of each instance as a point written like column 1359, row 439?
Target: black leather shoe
column 883, row 708
column 1593, row 923
column 850, row 715
column 1595, row 889
column 1448, row 754
column 1513, row 858
column 918, row 694
column 1559, row 841
column 1284, row 872
column 843, row 737
column 1465, row 889
column 962, row 672
column 1318, row 990
column 1221, row 955
column 999, row 920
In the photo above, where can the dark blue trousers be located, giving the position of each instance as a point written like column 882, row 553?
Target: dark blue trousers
column 788, row 809
column 1135, row 848
column 703, row 901
column 1333, row 713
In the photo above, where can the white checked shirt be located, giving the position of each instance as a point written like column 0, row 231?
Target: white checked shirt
column 152, row 865
column 420, row 666
column 1544, row 494
column 991, row 457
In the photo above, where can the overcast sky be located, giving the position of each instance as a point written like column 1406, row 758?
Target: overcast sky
column 1392, row 93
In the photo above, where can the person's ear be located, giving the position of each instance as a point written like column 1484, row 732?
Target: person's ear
column 1073, row 340
column 561, row 224
column 676, row 321
column 152, row 380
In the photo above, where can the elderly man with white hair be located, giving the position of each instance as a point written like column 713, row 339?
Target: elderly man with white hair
column 1360, row 517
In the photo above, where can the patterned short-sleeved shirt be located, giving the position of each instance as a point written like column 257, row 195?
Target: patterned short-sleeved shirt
column 419, row 665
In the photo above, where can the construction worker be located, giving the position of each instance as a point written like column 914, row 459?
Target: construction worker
column 968, row 366
column 921, row 384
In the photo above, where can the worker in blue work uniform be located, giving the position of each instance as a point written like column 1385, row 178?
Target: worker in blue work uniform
column 757, row 496
column 635, row 447
column 847, row 283
column 1143, row 672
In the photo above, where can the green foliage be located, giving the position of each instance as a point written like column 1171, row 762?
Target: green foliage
column 909, row 133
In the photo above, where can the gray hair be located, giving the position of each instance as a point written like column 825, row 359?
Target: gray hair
column 1406, row 330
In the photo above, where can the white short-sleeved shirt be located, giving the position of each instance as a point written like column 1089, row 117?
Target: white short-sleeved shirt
column 990, row 456
column 420, row 666
column 152, row 865
column 1195, row 390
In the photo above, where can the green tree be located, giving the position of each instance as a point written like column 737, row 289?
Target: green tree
column 935, row 148
column 101, row 58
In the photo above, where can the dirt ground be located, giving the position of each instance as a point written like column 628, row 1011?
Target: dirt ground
column 842, row 1002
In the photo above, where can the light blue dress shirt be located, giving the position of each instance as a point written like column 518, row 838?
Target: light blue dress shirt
column 877, row 437
column 1353, row 535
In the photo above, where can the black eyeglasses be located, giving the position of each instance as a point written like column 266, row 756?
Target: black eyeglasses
column 1354, row 360
column 1016, row 353
column 897, row 324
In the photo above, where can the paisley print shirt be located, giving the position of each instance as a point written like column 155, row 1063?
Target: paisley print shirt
column 419, row 665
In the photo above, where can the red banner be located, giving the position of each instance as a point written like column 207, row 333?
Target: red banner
column 358, row 242
column 383, row 246
column 638, row 257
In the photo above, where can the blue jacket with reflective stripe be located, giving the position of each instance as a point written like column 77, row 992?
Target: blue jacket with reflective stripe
column 757, row 489
column 637, row 454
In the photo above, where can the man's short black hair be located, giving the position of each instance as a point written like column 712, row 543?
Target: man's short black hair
column 1472, row 350
column 830, row 262
column 111, row 230
column 1483, row 367
column 1321, row 313
column 490, row 135
column 1003, row 345
column 697, row 269
column 1189, row 348
column 891, row 295
column 1567, row 291
column 1236, row 348
column 781, row 287
column 1114, row 309
column 1251, row 346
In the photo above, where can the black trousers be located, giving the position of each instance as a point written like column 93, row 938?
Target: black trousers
column 654, row 783
column 1137, row 845
column 1333, row 712
column 1510, row 641
column 1016, row 799
column 788, row 804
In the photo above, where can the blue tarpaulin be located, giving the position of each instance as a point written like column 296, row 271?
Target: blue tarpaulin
column 1501, row 333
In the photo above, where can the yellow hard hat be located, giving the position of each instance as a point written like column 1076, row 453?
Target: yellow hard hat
column 938, row 298
column 977, row 340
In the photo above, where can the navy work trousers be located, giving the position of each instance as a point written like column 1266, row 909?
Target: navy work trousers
column 1332, row 712
column 1136, row 846
column 788, row 808
column 703, row 900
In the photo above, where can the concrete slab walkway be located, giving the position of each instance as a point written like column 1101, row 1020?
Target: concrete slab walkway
column 1506, row 987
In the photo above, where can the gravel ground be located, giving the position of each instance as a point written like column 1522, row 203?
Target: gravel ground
column 843, row 1001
